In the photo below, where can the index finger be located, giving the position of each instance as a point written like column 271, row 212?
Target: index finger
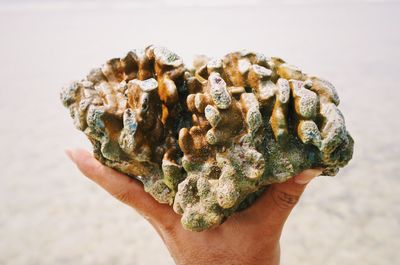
column 128, row 190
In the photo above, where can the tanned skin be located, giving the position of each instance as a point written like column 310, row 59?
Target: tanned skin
column 247, row 237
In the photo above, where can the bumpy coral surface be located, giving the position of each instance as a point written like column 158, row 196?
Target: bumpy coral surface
column 208, row 140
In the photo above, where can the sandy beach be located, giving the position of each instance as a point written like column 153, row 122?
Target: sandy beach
column 51, row 214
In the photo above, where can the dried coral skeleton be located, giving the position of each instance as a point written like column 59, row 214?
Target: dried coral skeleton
column 207, row 140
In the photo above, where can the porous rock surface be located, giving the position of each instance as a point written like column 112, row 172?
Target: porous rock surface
column 208, row 140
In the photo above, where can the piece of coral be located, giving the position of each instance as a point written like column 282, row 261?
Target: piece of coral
column 208, row 140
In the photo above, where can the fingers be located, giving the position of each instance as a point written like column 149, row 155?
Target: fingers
column 122, row 187
column 278, row 201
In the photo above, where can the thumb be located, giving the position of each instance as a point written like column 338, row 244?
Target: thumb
column 278, row 201
column 285, row 195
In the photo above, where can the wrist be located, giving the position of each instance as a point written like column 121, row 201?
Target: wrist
column 269, row 255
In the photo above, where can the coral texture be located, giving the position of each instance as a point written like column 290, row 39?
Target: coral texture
column 208, row 140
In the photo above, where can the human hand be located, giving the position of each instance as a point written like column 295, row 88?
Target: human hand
column 247, row 237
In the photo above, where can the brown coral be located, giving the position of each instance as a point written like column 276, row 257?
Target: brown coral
column 208, row 140
column 129, row 109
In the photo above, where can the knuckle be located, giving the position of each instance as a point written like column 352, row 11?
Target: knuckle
column 284, row 200
column 123, row 196
column 169, row 228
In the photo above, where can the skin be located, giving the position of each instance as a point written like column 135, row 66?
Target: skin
column 248, row 237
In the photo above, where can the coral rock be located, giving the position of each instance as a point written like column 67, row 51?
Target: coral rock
column 208, row 140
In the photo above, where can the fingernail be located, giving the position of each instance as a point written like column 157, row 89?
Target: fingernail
column 306, row 176
column 69, row 153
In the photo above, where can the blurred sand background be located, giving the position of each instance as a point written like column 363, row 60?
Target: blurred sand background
column 51, row 214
